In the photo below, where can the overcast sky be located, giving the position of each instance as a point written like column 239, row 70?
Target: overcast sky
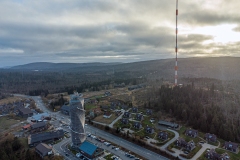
column 115, row 30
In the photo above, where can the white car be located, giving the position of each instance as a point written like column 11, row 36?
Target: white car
column 116, row 149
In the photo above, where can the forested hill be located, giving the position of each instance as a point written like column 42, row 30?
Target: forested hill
column 224, row 68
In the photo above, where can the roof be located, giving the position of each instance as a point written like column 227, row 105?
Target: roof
column 26, row 126
column 43, row 148
column 34, row 138
column 25, row 110
column 88, row 148
column 40, row 116
column 37, row 125
column 175, row 125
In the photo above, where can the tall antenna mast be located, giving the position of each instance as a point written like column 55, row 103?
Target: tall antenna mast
column 176, row 48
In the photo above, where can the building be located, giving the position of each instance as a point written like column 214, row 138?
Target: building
column 149, row 112
column 191, row 132
column 139, row 117
column 137, row 125
column 213, row 155
column 168, row 124
column 89, row 150
column 40, row 116
column 25, row 112
column 124, row 120
column 211, row 137
column 26, row 127
column 43, row 150
column 107, row 114
column 77, row 116
column 231, row 146
column 37, row 127
column 134, row 109
column 35, row 139
column 186, row 145
column 65, row 109
column 127, row 115
column 149, row 130
column 163, row 135
column 125, row 107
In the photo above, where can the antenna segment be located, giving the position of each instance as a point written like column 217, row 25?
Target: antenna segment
column 176, row 48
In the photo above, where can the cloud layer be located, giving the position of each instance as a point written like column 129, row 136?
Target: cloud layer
column 114, row 30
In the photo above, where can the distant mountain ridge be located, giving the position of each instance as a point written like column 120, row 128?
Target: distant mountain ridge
column 225, row 68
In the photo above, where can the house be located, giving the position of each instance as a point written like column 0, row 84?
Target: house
column 186, row 145
column 43, row 150
column 149, row 112
column 191, row 132
column 127, row 115
column 124, row 120
column 26, row 127
column 134, row 109
column 233, row 147
column 37, row 127
column 107, row 114
column 25, row 112
column 125, row 107
column 113, row 107
column 163, row 135
column 212, row 154
column 139, row 117
column 89, row 150
column 149, row 130
column 210, row 137
column 137, row 125
column 37, row 138
column 65, row 109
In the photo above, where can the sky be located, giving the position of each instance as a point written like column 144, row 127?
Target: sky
column 82, row 31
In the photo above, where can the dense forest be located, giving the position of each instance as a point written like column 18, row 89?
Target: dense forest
column 204, row 110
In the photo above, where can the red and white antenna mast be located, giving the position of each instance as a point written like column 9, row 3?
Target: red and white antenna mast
column 176, row 48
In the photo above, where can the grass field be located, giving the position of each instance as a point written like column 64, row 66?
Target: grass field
column 101, row 119
column 6, row 123
column 89, row 106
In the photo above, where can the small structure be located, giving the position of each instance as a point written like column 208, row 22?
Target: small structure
column 191, row 132
column 231, row 146
column 139, row 117
column 168, row 124
column 149, row 130
column 163, row 135
column 89, row 150
column 107, row 93
column 137, row 125
column 43, row 150
column 124, row 120
column 107, row 114
column 134, row 109
column 149, row 112
column 25, row 112
column 26, row 127
column 186, row 145
column 210, row 137
column 212, row 154
column 65, row 109
column 127, row 115
column 40, row 126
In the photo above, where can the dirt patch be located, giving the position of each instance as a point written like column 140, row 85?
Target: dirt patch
column 7, row 123
column 10, row 100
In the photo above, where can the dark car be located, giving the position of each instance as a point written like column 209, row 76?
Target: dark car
column 67, row 154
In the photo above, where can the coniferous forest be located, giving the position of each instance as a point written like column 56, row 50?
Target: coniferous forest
column 203, row 109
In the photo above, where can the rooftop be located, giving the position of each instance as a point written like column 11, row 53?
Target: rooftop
column 88, row 148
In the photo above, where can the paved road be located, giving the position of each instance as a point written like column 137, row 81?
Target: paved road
column 126, row 144
column 172, row 140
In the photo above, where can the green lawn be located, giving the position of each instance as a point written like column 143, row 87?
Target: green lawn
column 7, row 123
column 146, row 122
column 121, row 125
column 143, row 134
column 90, row 106
column 108, row 157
